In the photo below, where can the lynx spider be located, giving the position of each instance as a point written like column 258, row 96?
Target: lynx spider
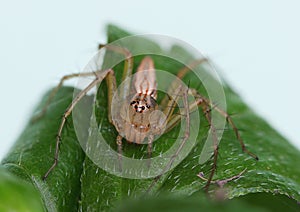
column 141, row 106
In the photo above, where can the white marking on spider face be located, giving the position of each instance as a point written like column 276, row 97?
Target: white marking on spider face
column 140, row 107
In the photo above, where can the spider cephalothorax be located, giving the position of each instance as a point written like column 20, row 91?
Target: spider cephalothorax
column 137, row 119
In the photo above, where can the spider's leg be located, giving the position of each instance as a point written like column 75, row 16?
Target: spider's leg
column 180, row 75
column 128, row 65
column 112, row 90
column 236, row 131
column 174, row 93
column 119, row 143
column 222, row 182
column 176, row 118
column 55, row 90
column 200, row 100
column 150, row 142
column 206, row 107
column 228, row 119
column 149, row 150
column 184, row 95
column 100, row 75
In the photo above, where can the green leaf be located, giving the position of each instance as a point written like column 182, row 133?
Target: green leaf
column 77, row 183
column 17, row 195
column 33, row 154
column 251, row 202
column 166, row 203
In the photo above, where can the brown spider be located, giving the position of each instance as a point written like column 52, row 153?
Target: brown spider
column 137, row 120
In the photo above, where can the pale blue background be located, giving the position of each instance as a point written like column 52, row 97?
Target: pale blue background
column 255, row 43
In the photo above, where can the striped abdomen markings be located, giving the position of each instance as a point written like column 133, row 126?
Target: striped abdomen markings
column 145, row 78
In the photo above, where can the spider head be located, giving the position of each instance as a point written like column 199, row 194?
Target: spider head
column 140, row 118
column 143, row 103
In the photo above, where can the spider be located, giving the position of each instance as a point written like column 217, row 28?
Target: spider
column 137, row 120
